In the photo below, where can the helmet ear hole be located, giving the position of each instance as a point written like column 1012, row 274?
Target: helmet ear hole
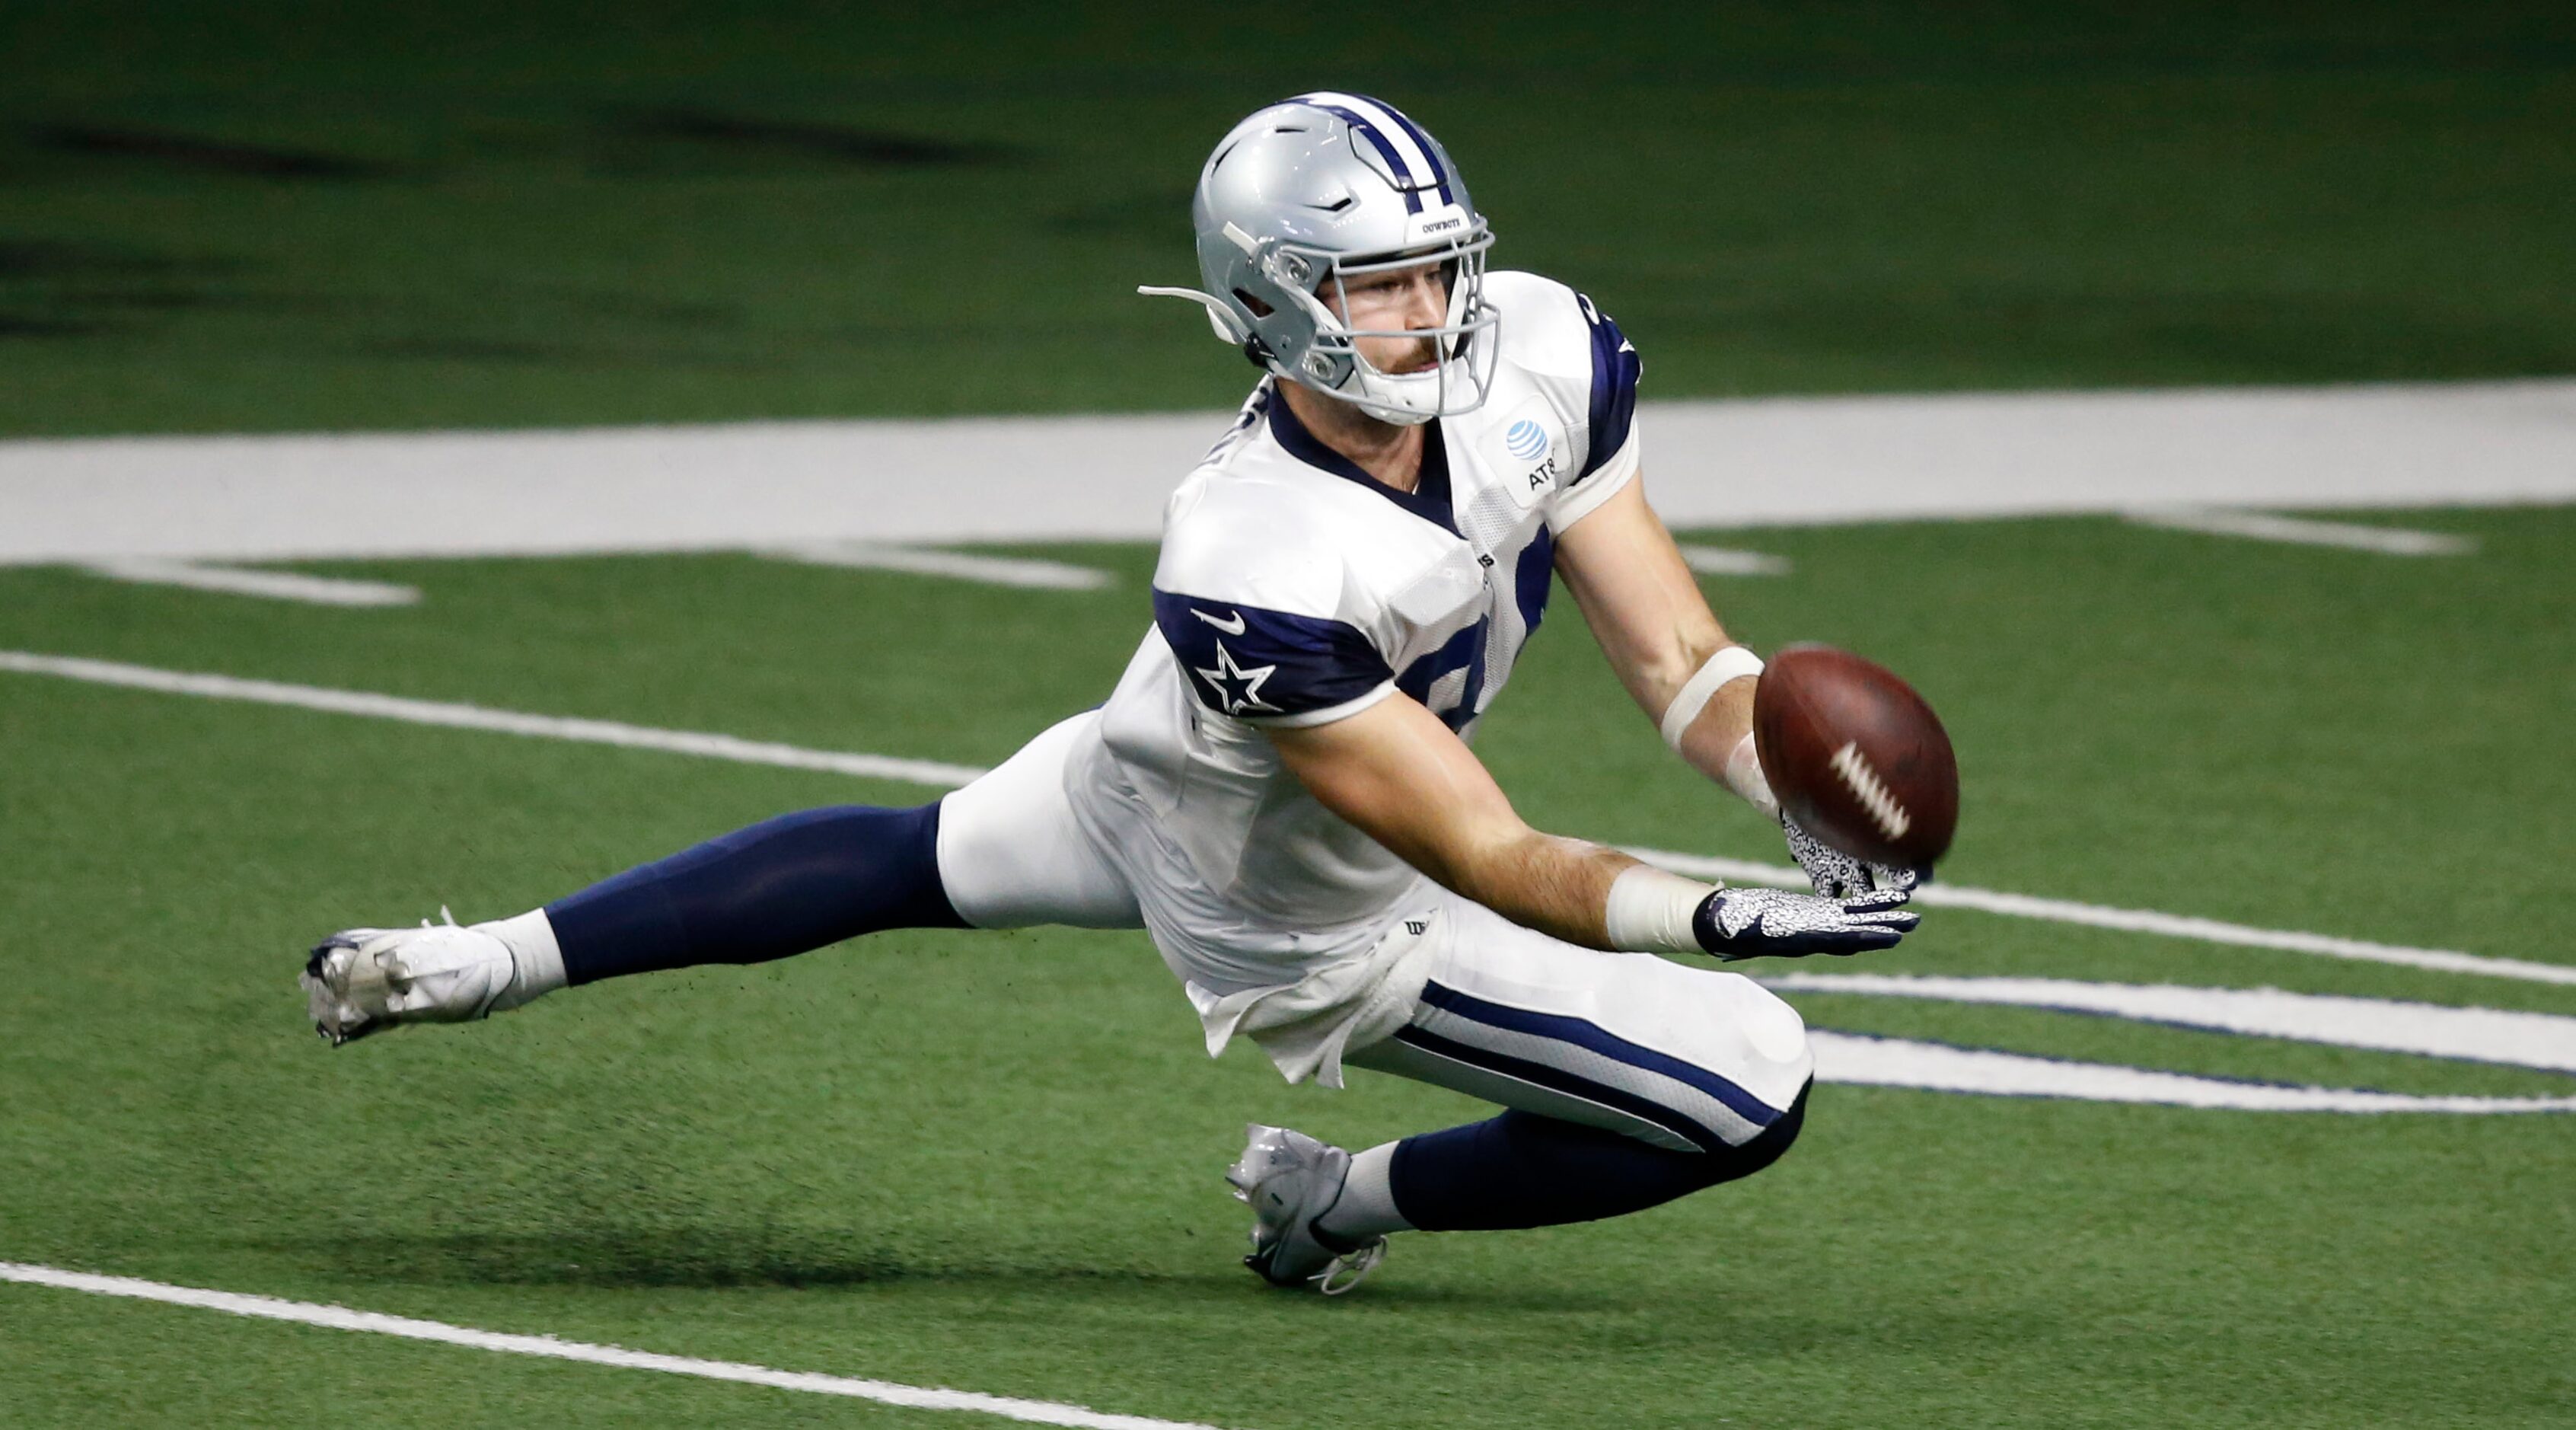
column 1259, row 308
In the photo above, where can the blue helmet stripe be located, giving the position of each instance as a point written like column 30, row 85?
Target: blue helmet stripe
column 1421, row 141
column 1407, row 177
column 1377, row 141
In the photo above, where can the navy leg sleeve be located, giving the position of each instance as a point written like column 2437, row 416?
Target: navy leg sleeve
column 783, row 886
column 1523, row 1170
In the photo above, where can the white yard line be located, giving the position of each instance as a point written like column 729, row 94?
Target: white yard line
column 1725, row 561
column 948, row 776
column 1939, row 1067
column 761, row 485
column 2305, row 531
column 340, row 1318
column 2487, row 1035
column 2067, row 911
column 959, row 565
column 476, row 717
column 235, row 581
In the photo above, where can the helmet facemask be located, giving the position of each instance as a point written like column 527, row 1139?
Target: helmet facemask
column 1463, row 345
column 1303, row 197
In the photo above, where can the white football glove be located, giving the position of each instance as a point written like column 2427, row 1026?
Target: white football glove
column 1850, row 882
column 1754, row 923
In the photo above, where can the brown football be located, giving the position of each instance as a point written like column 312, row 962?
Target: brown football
column 1855, row 756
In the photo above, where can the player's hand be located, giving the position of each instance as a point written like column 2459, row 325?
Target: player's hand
column 1846, row 880
column 1755, row 923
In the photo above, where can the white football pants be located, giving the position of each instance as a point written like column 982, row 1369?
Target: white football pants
column 1675, row 1056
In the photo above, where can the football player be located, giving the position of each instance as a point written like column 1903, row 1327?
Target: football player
column 1281, row 789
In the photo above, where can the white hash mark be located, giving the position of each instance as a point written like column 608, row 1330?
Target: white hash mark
column 243, row 581
column 341, row 1318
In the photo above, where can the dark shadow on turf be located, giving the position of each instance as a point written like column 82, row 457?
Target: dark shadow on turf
column 13, row 326
column 834, row 143
column 74, row 289
column 40, row 260
column 475, row 350
column 649, row 309
column 217, row 156
column 643, row 1257
column 629, row 1258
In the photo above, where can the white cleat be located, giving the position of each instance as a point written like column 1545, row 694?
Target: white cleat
column 1290, row 1180
column 360, row 981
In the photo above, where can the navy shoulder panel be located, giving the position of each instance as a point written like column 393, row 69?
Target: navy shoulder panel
column 1250, row 662
column 1615, row 368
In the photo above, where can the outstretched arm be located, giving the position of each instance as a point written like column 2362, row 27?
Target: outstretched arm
column 1400, row 775
column 1404, row 779
column 1646, row 610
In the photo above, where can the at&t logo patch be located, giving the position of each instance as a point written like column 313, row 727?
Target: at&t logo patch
column 1522, row 452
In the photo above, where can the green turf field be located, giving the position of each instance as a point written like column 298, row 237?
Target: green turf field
column 296, row 215
column 991, row 1161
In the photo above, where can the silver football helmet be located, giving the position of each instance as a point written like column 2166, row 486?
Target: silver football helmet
column 1311, row 191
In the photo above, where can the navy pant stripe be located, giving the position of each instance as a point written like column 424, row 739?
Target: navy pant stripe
column 1592, row 1036
column 1571, row 1084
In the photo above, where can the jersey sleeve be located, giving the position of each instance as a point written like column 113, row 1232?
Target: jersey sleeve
column 1611, row 448
column 1271, row 667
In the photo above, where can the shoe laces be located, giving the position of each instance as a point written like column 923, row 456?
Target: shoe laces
column 1351, row 1270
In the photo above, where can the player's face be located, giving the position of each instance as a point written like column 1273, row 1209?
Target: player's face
column 1396, row 300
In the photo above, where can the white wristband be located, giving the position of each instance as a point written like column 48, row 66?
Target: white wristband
column 1650, row 911
column 1732, row 663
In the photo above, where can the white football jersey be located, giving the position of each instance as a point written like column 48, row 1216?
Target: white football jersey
column 1293, row 589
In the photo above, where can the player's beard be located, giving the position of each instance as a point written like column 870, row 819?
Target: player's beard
column 1419, row 356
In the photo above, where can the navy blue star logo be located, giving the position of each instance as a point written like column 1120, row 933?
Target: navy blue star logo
column 1237, row 689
